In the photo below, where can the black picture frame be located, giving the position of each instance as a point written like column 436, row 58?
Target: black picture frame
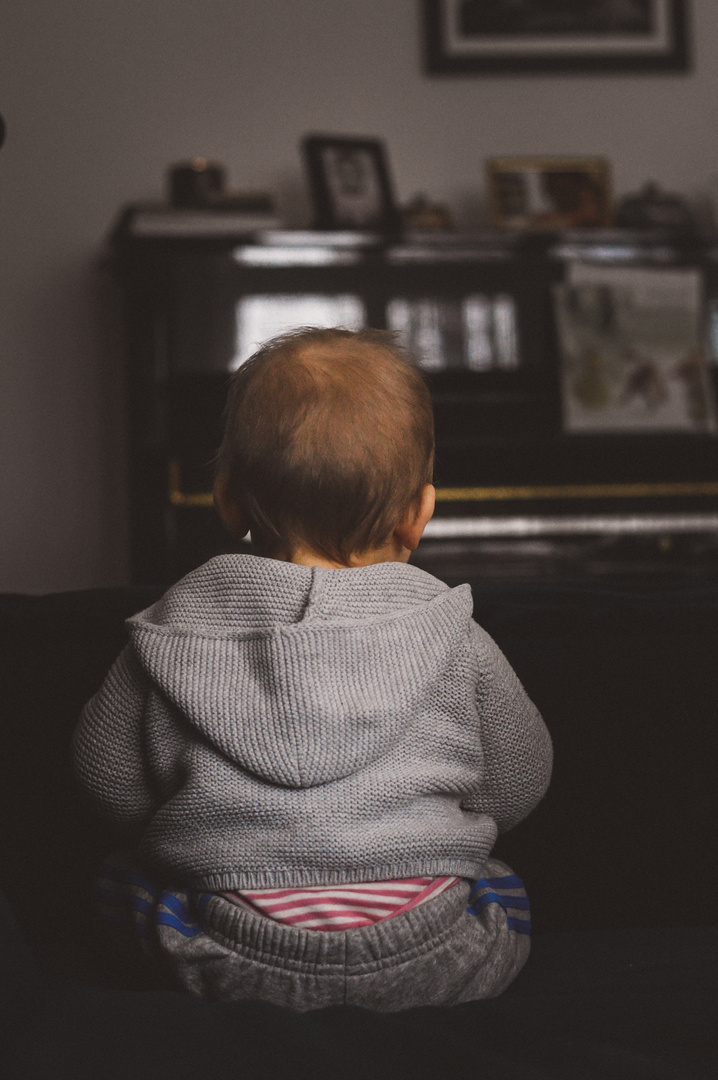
column 474, row 37
column 349, row 183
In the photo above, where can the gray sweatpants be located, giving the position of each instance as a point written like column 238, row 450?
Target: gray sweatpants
column 469, row 942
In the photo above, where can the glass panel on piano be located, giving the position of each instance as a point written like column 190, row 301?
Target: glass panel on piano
column 477, row 332
column 261, row 317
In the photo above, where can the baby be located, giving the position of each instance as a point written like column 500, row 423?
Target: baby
column 312, row 749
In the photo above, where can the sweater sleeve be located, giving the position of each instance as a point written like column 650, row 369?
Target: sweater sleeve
column 107, row 745
column 518, row 755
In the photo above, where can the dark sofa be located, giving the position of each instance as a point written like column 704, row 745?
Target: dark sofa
column 619, row 861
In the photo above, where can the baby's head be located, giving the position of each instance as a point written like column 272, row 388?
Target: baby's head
column 328, row 448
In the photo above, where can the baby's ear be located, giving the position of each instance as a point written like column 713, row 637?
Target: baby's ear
column 227, row 508
column 411, row 529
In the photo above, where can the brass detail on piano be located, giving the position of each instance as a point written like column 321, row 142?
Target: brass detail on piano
column 577, row 491
column 181, row 498
column 177, row 496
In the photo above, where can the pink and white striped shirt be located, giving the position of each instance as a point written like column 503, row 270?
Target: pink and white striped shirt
column 341, row 907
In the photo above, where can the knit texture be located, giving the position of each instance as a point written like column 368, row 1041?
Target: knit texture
column 278, row 725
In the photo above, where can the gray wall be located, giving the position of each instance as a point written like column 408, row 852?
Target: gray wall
column 100, row 95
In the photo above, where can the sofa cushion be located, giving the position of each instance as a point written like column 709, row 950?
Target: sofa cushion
column 624, row 1005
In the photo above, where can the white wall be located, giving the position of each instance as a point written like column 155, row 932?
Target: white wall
column 101, row 95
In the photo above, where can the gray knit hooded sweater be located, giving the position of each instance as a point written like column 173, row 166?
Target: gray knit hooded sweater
column 279, row 725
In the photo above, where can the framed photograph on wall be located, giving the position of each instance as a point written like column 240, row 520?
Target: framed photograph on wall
column 475, row 37
column 349, row 183
column 550, row 193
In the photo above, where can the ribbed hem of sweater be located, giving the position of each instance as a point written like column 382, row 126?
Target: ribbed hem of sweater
column 225, row 880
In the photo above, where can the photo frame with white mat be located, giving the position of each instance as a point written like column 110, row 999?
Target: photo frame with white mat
column 349, row 183
column 516, row 37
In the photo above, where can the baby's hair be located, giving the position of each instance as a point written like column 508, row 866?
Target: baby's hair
column 328, row 441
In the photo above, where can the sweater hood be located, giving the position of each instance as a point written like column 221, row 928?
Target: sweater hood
column 301, row 675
